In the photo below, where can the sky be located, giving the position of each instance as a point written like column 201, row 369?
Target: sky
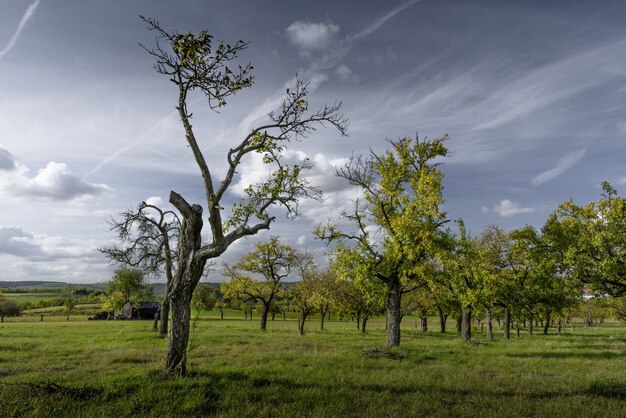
column 532, row 95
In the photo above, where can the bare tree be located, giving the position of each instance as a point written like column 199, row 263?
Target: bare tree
column 194, row 63
column 146, row 236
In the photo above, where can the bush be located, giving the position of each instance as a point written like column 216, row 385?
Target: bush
column 10, row 308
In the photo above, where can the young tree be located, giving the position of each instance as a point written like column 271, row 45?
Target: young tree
column 129, row 285
column 69, row 303
column 272, row 261
column 204, row 298
column 402, row 195
column 194, row 63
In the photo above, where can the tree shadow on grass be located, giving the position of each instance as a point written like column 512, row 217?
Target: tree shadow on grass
column 600, row 355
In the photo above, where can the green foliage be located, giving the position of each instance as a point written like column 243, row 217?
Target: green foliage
column 205, row 297
column 128, row 285
column 593, row 241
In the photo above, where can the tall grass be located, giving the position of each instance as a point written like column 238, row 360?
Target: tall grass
column 113, row 368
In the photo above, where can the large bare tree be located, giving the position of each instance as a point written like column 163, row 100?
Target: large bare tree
column 147, row 238
column 195, row 63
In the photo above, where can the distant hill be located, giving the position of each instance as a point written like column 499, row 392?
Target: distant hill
column 33, row 284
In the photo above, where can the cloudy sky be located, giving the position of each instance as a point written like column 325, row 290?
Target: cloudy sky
column 532, row 94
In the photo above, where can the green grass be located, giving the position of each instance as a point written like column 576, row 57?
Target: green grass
column 113, row 368
column 32, row 297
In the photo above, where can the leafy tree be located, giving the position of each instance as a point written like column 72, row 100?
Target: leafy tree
column 204, row 298
column 402, row 195
column 594, row 241
column 271, row 261
column 70, row 303
column 128, row 285
column 196, row 64
column 9, row 307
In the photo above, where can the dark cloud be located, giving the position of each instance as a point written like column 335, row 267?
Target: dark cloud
column 7, row 161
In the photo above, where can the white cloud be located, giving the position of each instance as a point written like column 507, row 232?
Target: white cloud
column 309, row 36
column 25, row 18
column 564, row 164
column 507, row 208
column 301, row 240
column 154, row 200
column 484, row 209
column 345, row 73
column 19, row 243
column 53, row 182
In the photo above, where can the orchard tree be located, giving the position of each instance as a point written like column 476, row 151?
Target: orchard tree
column 596, row 243
column 204, row 298
column 147, row 238
column 194, row 63
column 401, row 199
column 128, row 285
column 268, row 264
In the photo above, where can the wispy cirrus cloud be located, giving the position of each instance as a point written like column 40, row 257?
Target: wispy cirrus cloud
column 25, row 18
column 564, row 164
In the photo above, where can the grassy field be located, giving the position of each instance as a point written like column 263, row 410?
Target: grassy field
column 99, row 368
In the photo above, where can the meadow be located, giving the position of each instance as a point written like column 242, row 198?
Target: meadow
column 113, row 368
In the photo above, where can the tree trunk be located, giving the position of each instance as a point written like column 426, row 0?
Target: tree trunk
column 301, row 320
column 322, row 321
column 284, row 316
column 273, row 315
column 358, row 321
column 264, row 313
column 489, row 325
column 507, row 324
column 155, row 324
column 559, row 326
column 363, row 324
column 442, row 320
column 245, row 313
column 190, row 269
column 466, row 324
column 176, row 360
column 394, row 312
column 221, row 313
column 458, row 325
column 424, row 324
column 530, row 326
column 547, row 324
column 165, row 316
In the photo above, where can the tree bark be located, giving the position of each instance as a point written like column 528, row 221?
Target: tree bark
column 489, row 325
column 301, row 320
column 358, row 321
column 530, row 326
column 547, row 323
column 322, row 321
column 466, row 324
column 424, row 324
column 507, row 324
column 394, row 312
column 442, row 320
column 363, row 324
column 264, row 313
column 165, row 315
column 221, row 313
column 190, row 269
column 176, row 360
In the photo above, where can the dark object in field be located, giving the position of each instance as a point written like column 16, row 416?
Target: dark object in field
column 382, row 353
column 142, row 310
column 100, row 316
